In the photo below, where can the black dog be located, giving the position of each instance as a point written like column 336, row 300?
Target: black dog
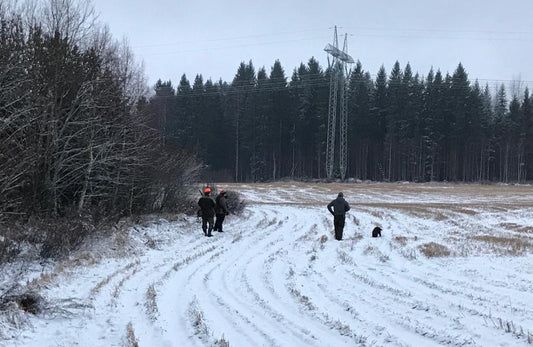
column 376, row 232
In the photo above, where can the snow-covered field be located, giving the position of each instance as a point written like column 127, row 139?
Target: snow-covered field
column 454, row 267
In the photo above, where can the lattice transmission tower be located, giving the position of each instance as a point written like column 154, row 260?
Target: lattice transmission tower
column 338, row 90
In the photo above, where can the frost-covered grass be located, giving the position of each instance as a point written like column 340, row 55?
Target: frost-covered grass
column 453, row 267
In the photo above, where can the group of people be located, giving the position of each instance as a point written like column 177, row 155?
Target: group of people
column 218, row 208
column 213, row 208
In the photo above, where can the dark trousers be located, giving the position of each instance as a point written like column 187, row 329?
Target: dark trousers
column 219, row 221
column 205, row 222
column 338, row 222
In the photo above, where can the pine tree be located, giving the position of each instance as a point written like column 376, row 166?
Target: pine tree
column 362, row 128
column 164, row 102
column 379, row 113
column 396, row 104
column 242, row 89
column 278, row 122
column 180, row 126
column 526, row 138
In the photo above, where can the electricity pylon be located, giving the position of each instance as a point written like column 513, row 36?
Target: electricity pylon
column 338, row 80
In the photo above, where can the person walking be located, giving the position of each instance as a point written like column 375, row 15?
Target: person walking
column 338, row 209
column 207, row 205
column 221, row 210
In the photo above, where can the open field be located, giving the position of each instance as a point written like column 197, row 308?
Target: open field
column 454, row 267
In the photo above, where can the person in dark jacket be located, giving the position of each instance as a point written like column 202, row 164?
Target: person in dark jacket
column 207, row 205
column 338, row 209
column 221, row 210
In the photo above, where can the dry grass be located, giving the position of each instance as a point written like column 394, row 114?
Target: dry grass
column 402, row 240
column 151, row 302
column 197, row 319
column 303, row 299
column 505, row 245
column 345, row 258
column 432, row 250
column 511, row 328
column 517, row 228
column 131, row 340
column 357, row 194
column 222, row 342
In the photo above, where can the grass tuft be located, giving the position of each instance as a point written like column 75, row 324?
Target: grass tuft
column 151, row 302
column 131, row 340
column 402, row 240
column 222, row 342
column 433, row 250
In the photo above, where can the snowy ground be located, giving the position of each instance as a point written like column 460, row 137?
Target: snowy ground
column 276, row 276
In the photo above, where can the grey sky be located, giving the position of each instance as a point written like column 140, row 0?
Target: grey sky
column 492, row 39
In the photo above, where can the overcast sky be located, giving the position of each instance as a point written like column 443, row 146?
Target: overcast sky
column 493, row 39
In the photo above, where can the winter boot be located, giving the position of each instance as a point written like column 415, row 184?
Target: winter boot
column 209, row 233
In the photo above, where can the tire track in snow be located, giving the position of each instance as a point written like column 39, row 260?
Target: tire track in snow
column 234, row 278
column 210, row 303
column 278, row 284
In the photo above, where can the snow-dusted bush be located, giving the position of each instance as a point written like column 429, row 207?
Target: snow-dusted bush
column 235, row 202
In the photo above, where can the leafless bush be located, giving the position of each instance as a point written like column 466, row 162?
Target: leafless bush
column 172, row 173
column 62, row 235
column 236, row 204
column 9, row 243
column 433, row 249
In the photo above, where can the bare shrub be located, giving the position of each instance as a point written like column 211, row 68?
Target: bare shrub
column 62, row 235
column 433, row 249
column 9, row 248
column 235, row 202
column 172, row 172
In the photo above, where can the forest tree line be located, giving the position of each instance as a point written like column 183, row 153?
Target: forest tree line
column 75, row 135
column 401, row 126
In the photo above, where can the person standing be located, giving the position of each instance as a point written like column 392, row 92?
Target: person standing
column 338, row 209
column 221, row 210
column 207, row 205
